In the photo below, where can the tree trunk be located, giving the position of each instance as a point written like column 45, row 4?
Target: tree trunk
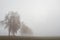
column 9, row 32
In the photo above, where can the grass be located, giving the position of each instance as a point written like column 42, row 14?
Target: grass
column 28, row 38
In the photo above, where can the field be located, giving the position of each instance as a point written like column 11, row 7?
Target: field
column 28, row 38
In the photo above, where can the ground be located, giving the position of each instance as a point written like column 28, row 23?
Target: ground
column 28, row 38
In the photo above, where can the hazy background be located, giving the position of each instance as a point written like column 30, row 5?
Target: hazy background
column 42, row 16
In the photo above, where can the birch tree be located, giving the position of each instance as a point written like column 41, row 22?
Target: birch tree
column 12, row 22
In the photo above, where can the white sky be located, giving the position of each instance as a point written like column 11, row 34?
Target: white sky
column 41, row 15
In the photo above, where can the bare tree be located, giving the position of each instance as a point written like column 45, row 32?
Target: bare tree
column 12, row 22
column 25, row 30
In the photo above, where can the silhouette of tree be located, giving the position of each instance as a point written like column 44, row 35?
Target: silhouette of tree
column 12, row 22
column 25, row 30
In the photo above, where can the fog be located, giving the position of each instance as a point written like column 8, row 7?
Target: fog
column 42, row 16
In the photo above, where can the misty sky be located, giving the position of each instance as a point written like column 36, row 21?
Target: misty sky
column 42, row 16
